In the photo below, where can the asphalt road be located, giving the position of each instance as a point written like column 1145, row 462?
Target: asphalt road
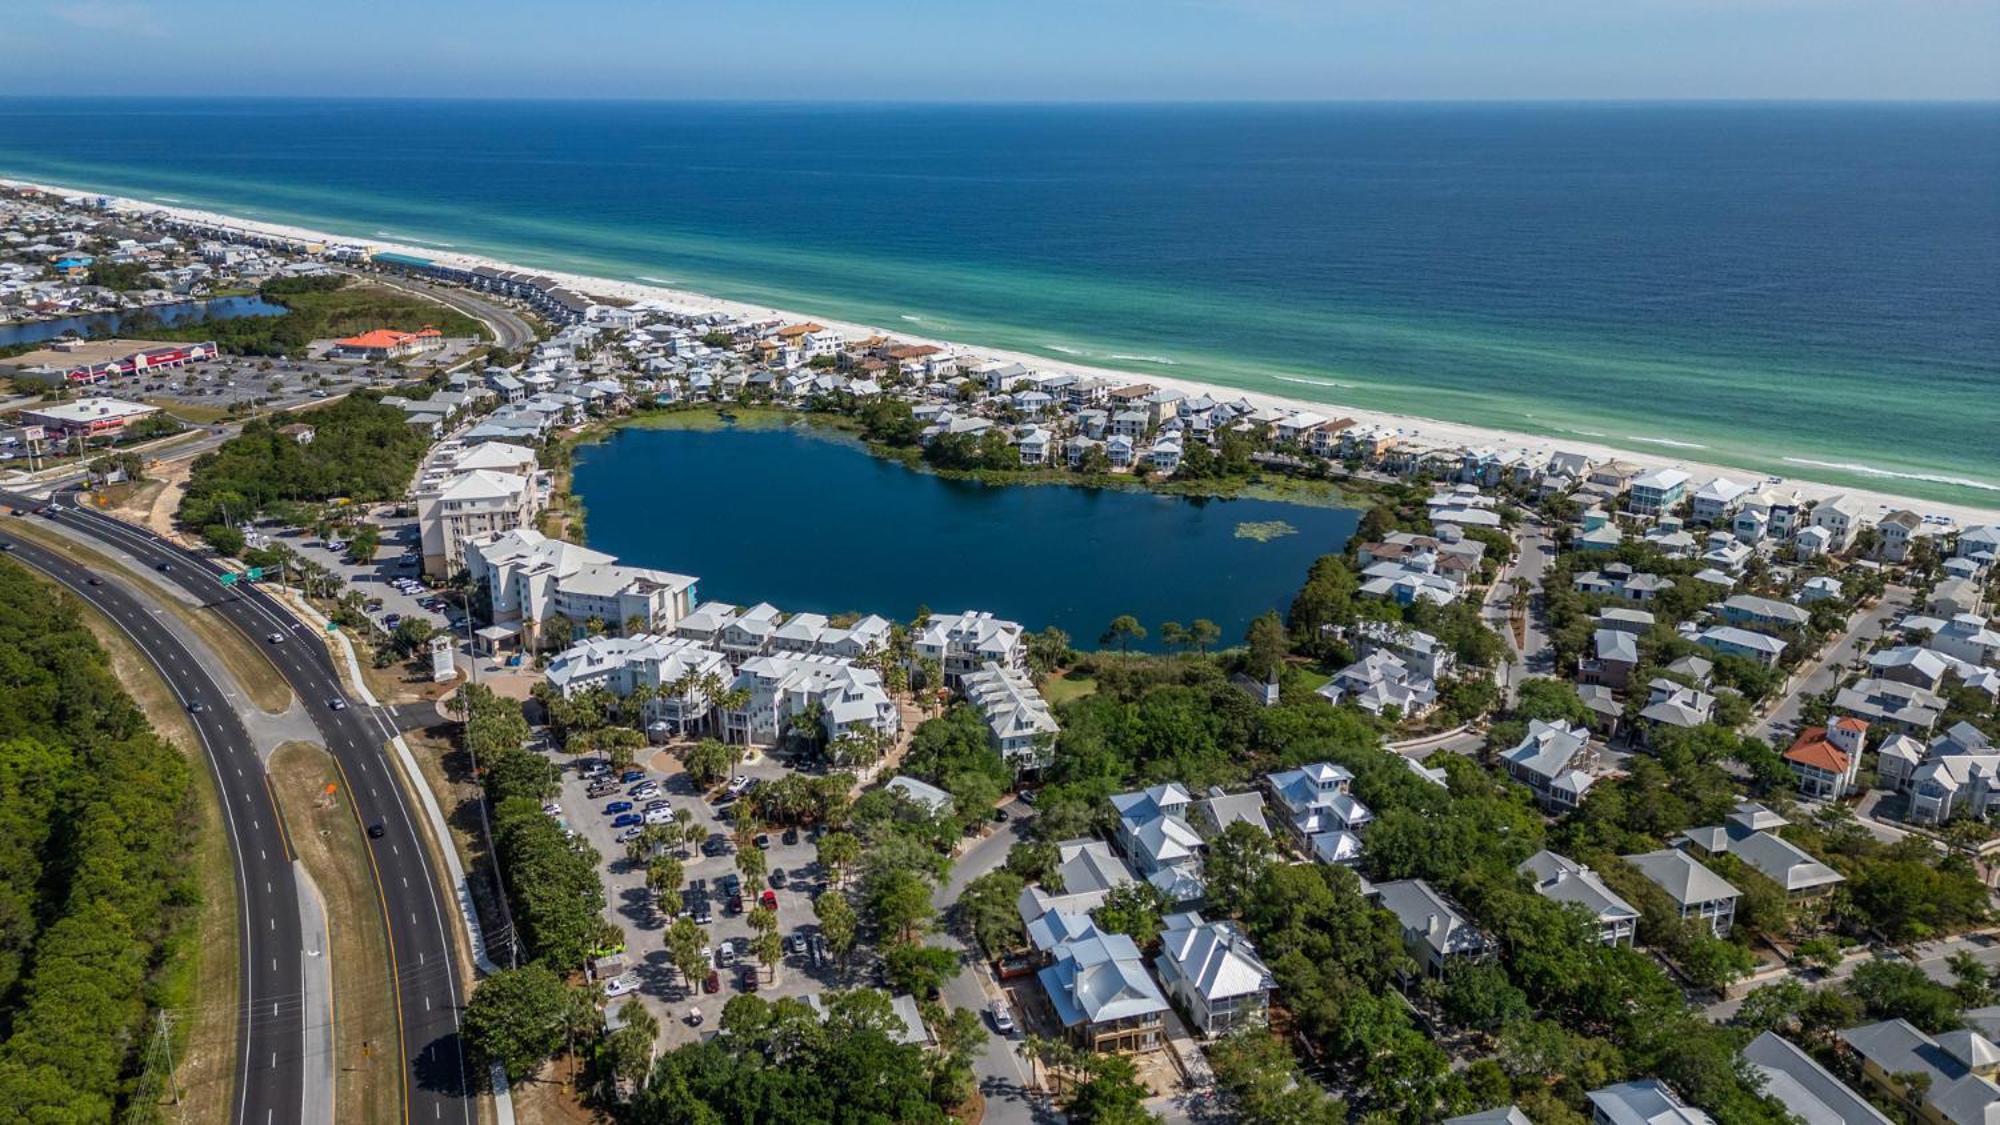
column 510, row 330
column 1831, row 665
column 270, row 1063
column 416, row 904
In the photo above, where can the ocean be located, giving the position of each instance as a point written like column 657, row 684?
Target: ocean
column 1797, row 289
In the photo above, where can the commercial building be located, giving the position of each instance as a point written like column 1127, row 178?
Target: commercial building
column 88, row 417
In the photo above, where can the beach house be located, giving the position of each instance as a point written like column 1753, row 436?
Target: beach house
column 1561, row 879
column 1696, row 892
column 1435, row 933
column 1215, row 973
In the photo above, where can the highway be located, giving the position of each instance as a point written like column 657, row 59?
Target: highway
column 416, row 904
column 270, row 1062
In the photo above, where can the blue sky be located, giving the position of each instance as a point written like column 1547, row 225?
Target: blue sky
column 1055, row 50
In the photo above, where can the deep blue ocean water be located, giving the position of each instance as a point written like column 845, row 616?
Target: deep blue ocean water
column 808, row 522
column 1806, row 289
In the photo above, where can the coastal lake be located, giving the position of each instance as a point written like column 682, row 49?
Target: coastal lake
column 807, row 521
column 107, row 323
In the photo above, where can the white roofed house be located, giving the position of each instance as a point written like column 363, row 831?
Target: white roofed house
column 1732, row 641
column 1155, row 835
column 1087, row 871
column 1956, row 1070
column 1806, row 1089
column 963, row 643
column 1381, row 681
column 800, row 634
column 1561, row 879
column 866, row 636
column 1214, row 971
column 1675, row 705
column 750, row 633
column 471, row 505
column 1841, row 516
column 1019, row 720
column 1556, row 760
column 1099, row 992
column 1657, row 492
column 1434, row 932
column 1717, row 501
column 1646, row 1101
column 1317, row 798
column 1421, row 652
column 1165, row 455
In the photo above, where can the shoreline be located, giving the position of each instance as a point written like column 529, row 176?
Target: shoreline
column 1877, row 500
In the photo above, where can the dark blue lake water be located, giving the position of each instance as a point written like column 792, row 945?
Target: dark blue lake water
column 809, row 522
column 107, row 323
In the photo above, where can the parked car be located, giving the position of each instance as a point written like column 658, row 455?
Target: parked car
column 630, row 776
column 715, row 845
column 552, row 808
column 712, row 984
column 616, row 807
column 627, row 820
column 777, row 876
column 763, row 842
column 725, row 955
column 1003, row 1020
column 620, row 985
column 659, row 816
column 659, row 803
column 769, row 898
column 791, row 836
column 646, row 789
column 739, row 785
column 627, row 836
column 749, row 978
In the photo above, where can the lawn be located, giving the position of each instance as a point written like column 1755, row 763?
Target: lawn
column 1068, row 686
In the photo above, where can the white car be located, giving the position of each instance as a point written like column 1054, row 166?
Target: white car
column 628, row 835
column 621, row 984
column 740, row 785
column 1003, row 1020
column 660, row 816
column 552, row 809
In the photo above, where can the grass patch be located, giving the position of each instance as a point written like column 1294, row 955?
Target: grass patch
column 1070, row 685
column 316, row 310
column 1263, row 531
column 368, row 1062
column 247, row 663
column 199, row 414
column 199, row 974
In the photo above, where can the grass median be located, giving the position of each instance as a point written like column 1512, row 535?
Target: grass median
column 246, row 662
column 328, row 838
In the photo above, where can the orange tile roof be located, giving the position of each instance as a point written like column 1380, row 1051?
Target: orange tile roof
column 1812, row 749
column 1849, row 722
column 385, row 338
column 800, row 329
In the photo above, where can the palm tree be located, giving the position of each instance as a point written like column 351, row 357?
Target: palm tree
column 711, row 691
column 735, row 699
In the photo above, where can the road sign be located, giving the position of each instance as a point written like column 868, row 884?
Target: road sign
column 333, row 626
column 227, row 578
column 253, row 574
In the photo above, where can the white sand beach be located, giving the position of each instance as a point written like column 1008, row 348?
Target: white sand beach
column 1425, row 430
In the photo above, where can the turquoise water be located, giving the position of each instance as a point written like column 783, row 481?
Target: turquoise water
column 1805, row 290
column 820, row 524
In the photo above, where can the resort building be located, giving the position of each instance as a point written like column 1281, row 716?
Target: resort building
column 1019, row 720
column 963, row 643
column 531, row 580
column 473, row 505
column 673, row 669
column 848, row 698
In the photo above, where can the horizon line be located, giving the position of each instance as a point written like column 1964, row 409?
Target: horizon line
column 643, row 99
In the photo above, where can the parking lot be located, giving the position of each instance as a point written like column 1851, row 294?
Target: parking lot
column 630, row 905
column 229, row 381
column 376, row 579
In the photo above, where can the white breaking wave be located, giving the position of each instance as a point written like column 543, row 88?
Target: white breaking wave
column 1067, row 351
column 165, row 199
column 1312, row 382
column 1669, row 442
column 1146, row 359
column 1872, row 471
column 911, row 319
column 656, row 280
column 413, row 238
column 1578, row 433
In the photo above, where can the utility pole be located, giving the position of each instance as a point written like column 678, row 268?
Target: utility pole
column 163, row 1042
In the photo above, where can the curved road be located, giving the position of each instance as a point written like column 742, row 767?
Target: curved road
column 425, row 959
column 511, row 331
column 270, row 1063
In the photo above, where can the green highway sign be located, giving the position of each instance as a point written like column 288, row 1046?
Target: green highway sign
column 253, row 574
column 227, row 578
column 333, row 626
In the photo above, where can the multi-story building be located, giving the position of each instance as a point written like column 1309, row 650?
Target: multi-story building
column 530, row 580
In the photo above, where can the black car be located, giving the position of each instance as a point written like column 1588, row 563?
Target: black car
column 763, row 842
column 6, row 546
column 778, row 877
column 163, row 567
column 196, row 707
column 376, row 830
column 715, row 845
column 95, row 580
column 791, row 836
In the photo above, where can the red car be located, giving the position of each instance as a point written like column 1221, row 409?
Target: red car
column 769, row 898
column 713, row 983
